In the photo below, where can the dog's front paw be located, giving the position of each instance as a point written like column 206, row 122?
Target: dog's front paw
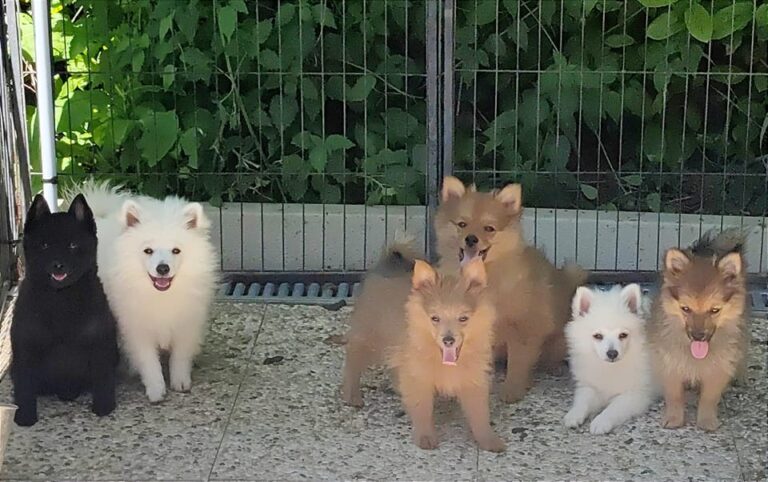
column 511, row 393
column 600, row 425
column 574, row 418
column 25, row 418
column 707, row 422
column 492, row 443
column 181, row 382
column 427, row 441
column 104, row 408
column 351, row 397
column 673, row 418
column 155, row 392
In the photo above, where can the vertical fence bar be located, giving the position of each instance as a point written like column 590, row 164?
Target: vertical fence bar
column 432, row 171
column 449, row 14
column 40, row 15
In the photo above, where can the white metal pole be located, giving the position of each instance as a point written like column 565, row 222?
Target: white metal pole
column 40, row 15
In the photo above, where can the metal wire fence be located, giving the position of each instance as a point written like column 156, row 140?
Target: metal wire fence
column 318, row 129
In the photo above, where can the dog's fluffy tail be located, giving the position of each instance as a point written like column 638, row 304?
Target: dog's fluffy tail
column 398, row 258
column 103, row 198
column 712, row 243
column 573, row 276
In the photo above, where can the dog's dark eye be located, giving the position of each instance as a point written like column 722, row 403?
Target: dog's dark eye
column 461, row 224
column 489, row 229
column 148, row 251
column 44, row 246
column 72, row 246
column 623, row 335
column 685, row 309
column 435, row 319
column 175, row 251
column 715, row 310
column 463, row 318
column 597, row 336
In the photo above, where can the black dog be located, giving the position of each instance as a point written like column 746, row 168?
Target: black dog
column 64, row 336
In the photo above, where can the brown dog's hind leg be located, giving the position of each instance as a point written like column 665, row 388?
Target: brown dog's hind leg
column 357, row 360
column 521, row 359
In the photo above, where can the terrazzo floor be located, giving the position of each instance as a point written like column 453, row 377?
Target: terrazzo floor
column 264, row 406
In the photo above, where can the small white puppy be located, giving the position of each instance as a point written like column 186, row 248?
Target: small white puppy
column 159, row 269
column 609, row 358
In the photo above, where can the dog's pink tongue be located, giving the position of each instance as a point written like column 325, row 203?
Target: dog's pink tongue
column 162, row 282
column 699, row 349
column 449, row 355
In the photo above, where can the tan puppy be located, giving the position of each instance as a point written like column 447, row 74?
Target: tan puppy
column 699, row 327
column 532, row 297
column 435, row 332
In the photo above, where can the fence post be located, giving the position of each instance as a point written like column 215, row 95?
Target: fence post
column 433, row 141
column 41, row 18
column 449, row 15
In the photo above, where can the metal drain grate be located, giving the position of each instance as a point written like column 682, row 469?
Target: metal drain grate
column 274, row 289
column 334, row 291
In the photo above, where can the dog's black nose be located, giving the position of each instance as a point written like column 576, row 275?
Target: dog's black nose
column 163, row 269
column 612, row 354
column 699, row 335
column 471, row 240
column 448, row 340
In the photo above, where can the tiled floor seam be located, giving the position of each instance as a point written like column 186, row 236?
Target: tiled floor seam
column 251, row 350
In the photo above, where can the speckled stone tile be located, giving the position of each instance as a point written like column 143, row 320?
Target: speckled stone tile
column 290, row 424
column 176, row 439
column 747, row 408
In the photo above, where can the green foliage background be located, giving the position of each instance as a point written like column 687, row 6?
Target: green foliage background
column 640, row 105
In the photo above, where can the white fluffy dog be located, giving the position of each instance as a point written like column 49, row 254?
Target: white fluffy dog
column 159, row 270
column 609, row 358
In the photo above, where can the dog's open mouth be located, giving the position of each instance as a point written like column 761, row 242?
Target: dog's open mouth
column 699, row 349
column 451, row 354
column 59, row 277
column 161, row 284
column 465, row 257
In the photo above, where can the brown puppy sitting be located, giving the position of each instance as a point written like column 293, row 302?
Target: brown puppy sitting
column 699, row 327
column 532, row 297
column 435, row 332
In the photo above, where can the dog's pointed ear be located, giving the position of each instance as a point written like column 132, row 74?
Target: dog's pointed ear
column 474, row 274
column 130, row 214
column 82, row 212
column 37, row 211
column 512, row 198
column 731, row 265
column 194, row 216
column 453, row 188
column 676, row 261
column 423, row 275
column 632, row 297
column 582, row 301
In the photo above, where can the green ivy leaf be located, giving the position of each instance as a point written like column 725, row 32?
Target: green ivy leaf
column 160, row 131
column 653, row 200
column 589, row 192
column 761, row 16
column 263, row 30
column 283, row 110
column 295, row 174
column 399, row 124
column 512, row 6
column 336, row 142
column 239, row 5
column 657, row 3
column 664, row 26
column 188, row 143
column 731, row 19
column 361, row 89
column 484, row 12
column 323, row 15
column 285, row 13
column 227, row 23
column 318, row 157
column 165, row 25
column 699, row 23
column 633, row 179
column 619, row 41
